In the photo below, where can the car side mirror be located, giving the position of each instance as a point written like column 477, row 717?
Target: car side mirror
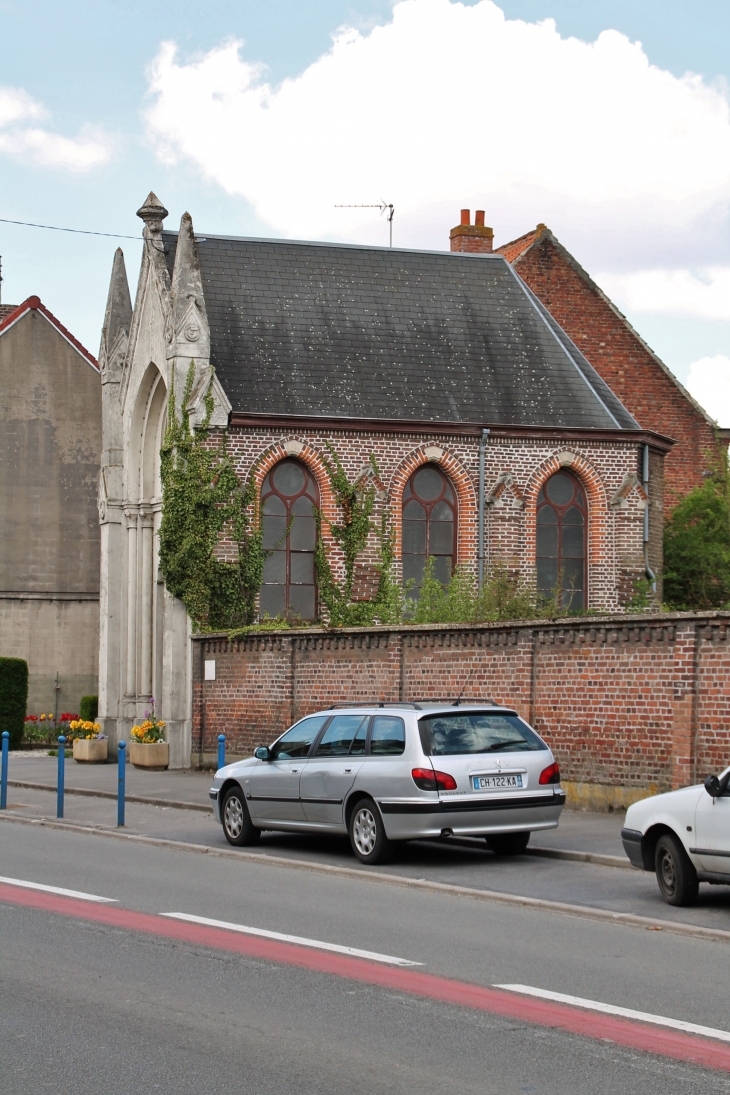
column 262, row 753
column 712, row 786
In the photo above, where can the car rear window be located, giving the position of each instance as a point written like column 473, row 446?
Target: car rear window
column 477, row 732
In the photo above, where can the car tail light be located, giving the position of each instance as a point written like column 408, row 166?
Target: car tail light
column 551, row 774
column 429, row 780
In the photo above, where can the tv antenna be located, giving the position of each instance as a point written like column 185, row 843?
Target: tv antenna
column 382, row 206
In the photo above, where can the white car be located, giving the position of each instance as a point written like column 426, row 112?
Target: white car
column 684, row 836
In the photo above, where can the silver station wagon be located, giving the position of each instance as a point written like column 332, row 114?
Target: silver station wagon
column 389, row 772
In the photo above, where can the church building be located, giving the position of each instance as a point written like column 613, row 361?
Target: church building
column 494, row 439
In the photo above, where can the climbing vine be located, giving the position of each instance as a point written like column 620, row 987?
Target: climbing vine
column 355, row 502
column 202, row 500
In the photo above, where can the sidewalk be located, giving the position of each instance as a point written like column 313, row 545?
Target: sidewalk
column 181, row 785
column 578, row 831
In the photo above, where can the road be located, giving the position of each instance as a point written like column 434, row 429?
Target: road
column 118, row 997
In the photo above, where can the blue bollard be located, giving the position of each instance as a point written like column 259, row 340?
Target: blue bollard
column 4, row 779
column 61, row 770
column 221, row 750
column 122, row 764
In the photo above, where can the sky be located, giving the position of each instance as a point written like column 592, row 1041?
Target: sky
column 609, row 120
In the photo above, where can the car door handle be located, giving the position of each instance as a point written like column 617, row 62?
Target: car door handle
column 348, row 769
column 294, row 770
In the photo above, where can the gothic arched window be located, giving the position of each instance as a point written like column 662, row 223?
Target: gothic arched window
column 288, row 500
column 429, row 525
column 562, row 520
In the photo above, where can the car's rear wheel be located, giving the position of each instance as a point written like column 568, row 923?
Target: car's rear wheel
column 237, row 825
column 677, row 878
column 367, row 833
column 508, row 843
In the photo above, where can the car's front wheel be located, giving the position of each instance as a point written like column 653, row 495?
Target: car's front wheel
column 675, row 874
column 367, row 833
column 508, row 843
column 237, row 824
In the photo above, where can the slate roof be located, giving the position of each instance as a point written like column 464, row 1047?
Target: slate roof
column 363, row 332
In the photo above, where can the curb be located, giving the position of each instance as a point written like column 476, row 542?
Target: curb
column 468, row 842
column 90, row 793
column 554, row 853
column 586, row 912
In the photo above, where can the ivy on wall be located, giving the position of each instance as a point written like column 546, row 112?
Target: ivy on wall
column 356, row 502
column 202, row 500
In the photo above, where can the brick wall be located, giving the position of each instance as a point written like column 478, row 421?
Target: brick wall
column 516, row 467
column 632, row 371
column 629, row 704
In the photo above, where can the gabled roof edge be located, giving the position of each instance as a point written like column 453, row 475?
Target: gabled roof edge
column 542, row 232
column 35, row 304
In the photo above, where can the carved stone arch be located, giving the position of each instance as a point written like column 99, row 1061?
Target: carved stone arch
column 600, row 547
column 145, row 438
column 465, row 493
column 143, row 513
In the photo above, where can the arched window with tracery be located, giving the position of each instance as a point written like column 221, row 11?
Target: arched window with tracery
column 562, row 521
column 288, row 499
column 429, row 525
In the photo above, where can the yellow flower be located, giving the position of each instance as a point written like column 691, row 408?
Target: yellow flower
column 43, row 718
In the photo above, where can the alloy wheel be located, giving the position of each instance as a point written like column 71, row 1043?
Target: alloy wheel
column 233, row 816
column 364, row 831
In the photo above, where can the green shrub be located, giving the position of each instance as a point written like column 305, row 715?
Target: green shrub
column 13, row 698
column 89, row 708
column 697, row 547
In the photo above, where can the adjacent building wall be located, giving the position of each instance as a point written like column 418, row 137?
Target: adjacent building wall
column 629, row 704
column 642, row 382
column 50, row 446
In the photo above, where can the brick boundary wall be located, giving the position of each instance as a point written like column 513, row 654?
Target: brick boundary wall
column 630, row 705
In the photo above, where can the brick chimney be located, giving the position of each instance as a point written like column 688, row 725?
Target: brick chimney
column 476, row 239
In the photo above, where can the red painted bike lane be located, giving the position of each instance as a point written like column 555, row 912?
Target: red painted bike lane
column 623, row 1032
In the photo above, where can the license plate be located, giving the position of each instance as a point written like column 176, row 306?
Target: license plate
column 495, row 783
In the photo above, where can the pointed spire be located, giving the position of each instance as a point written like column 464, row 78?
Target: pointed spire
column 187, row 283
column 152, row 213
column 118, row 315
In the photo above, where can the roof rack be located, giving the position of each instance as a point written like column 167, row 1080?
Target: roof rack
column 451, row 702
column 377, row 703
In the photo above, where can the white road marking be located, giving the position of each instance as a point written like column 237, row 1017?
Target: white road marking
column 298, row 939
column 57, row 889
column 626, row 1013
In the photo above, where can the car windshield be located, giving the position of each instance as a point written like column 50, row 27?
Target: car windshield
column 450, row 735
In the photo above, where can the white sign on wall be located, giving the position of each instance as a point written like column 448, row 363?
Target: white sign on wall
column 210, row 671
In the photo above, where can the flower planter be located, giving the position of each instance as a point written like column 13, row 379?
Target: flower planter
column 90, row 750
column 155, row 756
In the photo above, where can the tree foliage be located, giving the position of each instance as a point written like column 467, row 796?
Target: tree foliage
column 697, row 546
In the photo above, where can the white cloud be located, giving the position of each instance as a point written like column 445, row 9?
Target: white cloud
column 89, row 149
column 16, row 104
column 709, row 382
column 449, row 105
column 703, row 294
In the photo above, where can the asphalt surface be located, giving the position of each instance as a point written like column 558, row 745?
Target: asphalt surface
column 464, row 863
column 86, row 1006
